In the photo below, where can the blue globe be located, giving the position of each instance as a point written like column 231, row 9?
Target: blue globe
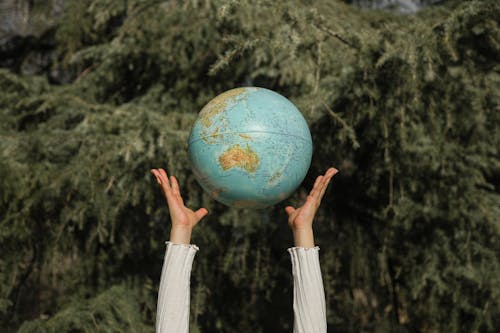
column 250, row 148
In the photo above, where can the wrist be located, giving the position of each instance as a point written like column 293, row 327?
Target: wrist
column 181, row 234
column 303, row 237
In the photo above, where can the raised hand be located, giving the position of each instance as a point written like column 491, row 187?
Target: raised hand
column 183, row 218
column 301, row 219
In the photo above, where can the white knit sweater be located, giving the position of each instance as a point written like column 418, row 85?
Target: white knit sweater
column 172, row 315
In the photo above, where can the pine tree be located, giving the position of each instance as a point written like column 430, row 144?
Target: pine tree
column 405, row 106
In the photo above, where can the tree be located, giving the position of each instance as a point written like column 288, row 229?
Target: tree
column 404, row 106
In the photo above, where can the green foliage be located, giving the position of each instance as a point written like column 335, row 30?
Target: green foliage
column 405, row 106
column 104, row 313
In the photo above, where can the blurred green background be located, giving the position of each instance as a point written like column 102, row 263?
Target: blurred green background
column 93, row 94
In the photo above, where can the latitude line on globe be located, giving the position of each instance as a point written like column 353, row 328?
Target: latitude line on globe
column 265, row 132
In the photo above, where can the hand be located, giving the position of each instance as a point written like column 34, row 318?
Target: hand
column 301, row 219
column 183, row 218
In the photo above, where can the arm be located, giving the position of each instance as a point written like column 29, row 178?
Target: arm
column 172, row 313
column 308, row 294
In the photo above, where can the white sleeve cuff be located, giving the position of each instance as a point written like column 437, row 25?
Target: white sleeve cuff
column 187, row 246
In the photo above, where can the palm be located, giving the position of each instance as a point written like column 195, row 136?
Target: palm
column 303, row 216
column 182, row 214
column 300, row 217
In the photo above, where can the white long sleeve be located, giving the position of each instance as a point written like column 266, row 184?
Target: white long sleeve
column 173, row 297
column 172, row 312
column 308, row 294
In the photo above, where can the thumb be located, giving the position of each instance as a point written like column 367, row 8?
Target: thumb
column 201, row 213
column 289, row 210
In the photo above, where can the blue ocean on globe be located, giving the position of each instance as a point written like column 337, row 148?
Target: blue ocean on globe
column 250, row 148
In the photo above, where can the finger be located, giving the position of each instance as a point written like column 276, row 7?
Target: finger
column 201, row 213
column 155, row 173
column 331, row 172
column 289, row 210
column 175, row 186
column 167, row 190
column 328, row 176
column 324, row 186
column 175, row 189
column 164, row 179
column 312, row 201
column 316, row 186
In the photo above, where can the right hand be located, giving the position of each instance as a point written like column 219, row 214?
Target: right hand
column 302, row 217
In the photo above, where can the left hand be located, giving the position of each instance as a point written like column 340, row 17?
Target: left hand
column 183, row 218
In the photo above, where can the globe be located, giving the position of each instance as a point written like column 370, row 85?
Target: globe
column 250, row 148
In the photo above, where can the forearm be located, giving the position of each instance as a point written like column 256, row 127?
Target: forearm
column 303, row 237
column 174, row 297
column 308, row 294
column 180, row 234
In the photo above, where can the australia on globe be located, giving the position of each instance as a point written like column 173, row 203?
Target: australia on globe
column 250, row 148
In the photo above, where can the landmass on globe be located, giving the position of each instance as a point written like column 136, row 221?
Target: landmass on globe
column 236, row 156
column 219, row 104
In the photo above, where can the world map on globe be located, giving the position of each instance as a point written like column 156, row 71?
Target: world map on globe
column 250, row 148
